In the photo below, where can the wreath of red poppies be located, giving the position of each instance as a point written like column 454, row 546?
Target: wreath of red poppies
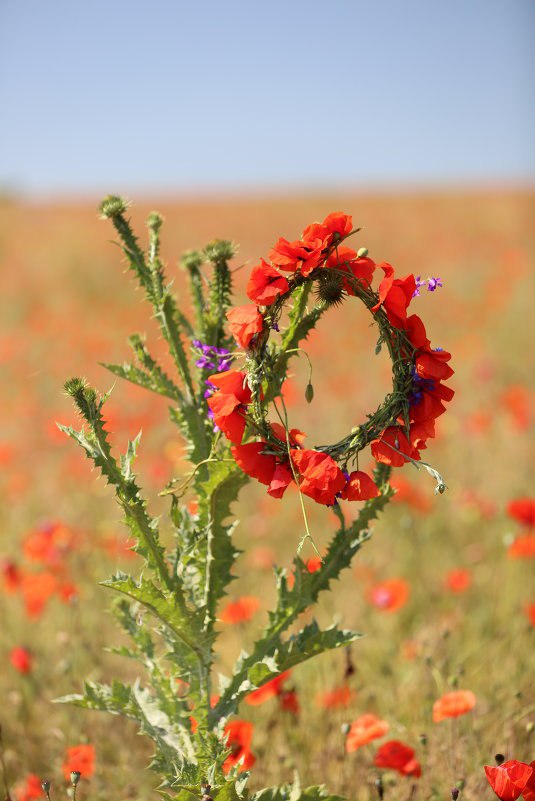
column 242, row 400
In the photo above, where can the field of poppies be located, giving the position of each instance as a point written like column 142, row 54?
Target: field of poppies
column 442, row 681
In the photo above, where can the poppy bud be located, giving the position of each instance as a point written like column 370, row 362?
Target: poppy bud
column 362, row 253
column 499, row 759
column 345, row 728
column 455, row 794
column 45, row 784
column 75, row 777
column 309, row 393
column 423, row 739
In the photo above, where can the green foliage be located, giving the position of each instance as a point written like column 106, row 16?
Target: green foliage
column 169, row 612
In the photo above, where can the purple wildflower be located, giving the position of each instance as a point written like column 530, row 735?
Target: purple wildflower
column 433, row 283
column 419, row 283
column 215, row 359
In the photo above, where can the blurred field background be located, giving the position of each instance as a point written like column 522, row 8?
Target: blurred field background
column 69, row 305
column 247, row 123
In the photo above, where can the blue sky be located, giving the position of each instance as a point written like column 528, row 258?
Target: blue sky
column 170, row 96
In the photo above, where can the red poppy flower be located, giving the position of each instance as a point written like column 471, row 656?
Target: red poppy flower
column 391, row 447
column 337, row 698
column 390, row 595
column 432, row 364
column 11, row 575
column 360, row 487
column 238, row 736
column 295, row 436
column 240, row 611
column 365, row 729
column 266, row 284
column 314, row 564
column 280, row 481
column 31, row 790
column 522, row 547
column 289, row 701
column 299, row 255
column 321, row 478
column 335, row 223
column 37, row 589
column 80, row 758
column 415, row 331
column 510, row 779
column 530, row 613
column 21, row 659
column 229, row 403
column 251, row 459
column 395, row 295
column 270, row 689
column 48, row 544
column 528, row 793
column 398, row 756
column 244, row 323
column 458, row 580
column 523, row 511
column 345, row 259
column 454, row 704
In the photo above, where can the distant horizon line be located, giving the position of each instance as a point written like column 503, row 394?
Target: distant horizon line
column 221, row 192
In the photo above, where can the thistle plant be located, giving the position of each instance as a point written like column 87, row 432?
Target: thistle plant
column 182, row 584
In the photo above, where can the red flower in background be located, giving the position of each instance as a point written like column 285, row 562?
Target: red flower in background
column 37, row 589
column 12, row 576
column 454, row 704
column 360, row 487
column 365, row 729
column 390, row 595
column 266, row 284
column 80, row 758
column 512, row 779
column 31, row 790
column 523, row 511
column 271, row 689
column 458, row 580
column 289, row 701
column 48, row 544
column 530, row 613
column 395, row 755
column 522, row 547
column 21, row 659
column 244, row 323
column 240, row 611
column 337, row 698
column 238, row 735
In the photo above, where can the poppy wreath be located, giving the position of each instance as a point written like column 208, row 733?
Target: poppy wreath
column 241, row 401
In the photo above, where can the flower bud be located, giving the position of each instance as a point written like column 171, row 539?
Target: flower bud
column 112, row 206
column 455, row 794
column 309, row 393
column 362, row 253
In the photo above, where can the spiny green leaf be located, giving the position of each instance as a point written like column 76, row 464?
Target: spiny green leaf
column 168, row 609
